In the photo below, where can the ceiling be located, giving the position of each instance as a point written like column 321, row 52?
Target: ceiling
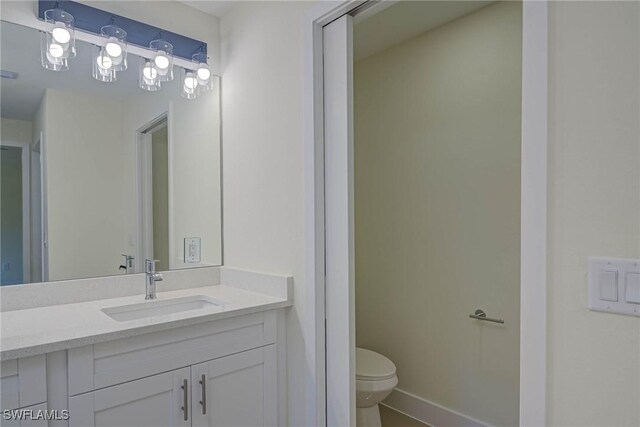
column 405, row 20
column 216, row 8
column 20, row 52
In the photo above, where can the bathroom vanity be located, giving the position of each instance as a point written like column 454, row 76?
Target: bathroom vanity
column 203, row 356
column 110, row 177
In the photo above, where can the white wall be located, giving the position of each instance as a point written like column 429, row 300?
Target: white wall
column 262, row 103
column 16, row 130
column 437, row 210
column 85, row 179
column 90, row 155
column 594, row 208
column 194, row 178
column 263, row 99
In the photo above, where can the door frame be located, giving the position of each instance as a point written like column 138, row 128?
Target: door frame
column 25, row 159
column 44, row 206
column 533, row 275
column 38, row 147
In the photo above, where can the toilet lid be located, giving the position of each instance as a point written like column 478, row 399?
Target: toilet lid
column 373, row 366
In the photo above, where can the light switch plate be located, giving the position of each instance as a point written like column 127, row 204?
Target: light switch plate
column 191, row 250
column 632, row 287
column 608, row 285
column 614, row 285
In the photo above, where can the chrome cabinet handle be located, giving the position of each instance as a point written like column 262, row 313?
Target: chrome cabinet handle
column 203, row 402
column 481, row 315
column 185, row 397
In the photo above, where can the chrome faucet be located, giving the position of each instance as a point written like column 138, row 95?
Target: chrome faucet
column 152, row 278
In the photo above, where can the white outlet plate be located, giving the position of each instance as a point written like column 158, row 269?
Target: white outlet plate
column 191, row 250
column 614, row 285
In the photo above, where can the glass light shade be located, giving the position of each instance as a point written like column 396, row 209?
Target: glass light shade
column 162, row 59
column 115, row 46
column 148, row 77
column 52, row 54
column 57, row 43
column 102, row 67
column 203, row 72
column 189, row 85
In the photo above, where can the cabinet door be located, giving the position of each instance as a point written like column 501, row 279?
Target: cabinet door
column 157, row 401
column 236, row 391
column 26, row 421
column 23, row 382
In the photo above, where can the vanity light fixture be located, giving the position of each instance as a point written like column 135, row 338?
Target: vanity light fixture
column 109, row 53
column 199, row 79
column 203, row 72
column 111, row 56
column 159, row 68
column 148, row 75
column 189, row 85
column 57, row 44
column 102, row 66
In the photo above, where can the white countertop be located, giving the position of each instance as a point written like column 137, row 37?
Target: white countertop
column 45, row 329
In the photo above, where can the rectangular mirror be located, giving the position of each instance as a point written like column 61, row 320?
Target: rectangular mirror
column 95, row 176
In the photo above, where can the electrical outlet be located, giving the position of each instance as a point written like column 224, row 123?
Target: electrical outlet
column 191, row 250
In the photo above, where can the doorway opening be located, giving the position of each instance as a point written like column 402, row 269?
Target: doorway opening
column 437, row 207
column 330, row 207
column 153, row 167
column 15, row 265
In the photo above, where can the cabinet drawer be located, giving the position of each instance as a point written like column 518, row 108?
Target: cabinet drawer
column 105, row 364
column 23, row 382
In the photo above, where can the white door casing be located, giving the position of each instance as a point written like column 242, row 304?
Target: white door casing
column 339, row 217
column 328, row 212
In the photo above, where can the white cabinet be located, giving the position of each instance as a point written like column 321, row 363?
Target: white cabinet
column 155, row 401
column 224, row 373
column 236, row 391
column 109, row 363
column 23, row 382
column 27, row 417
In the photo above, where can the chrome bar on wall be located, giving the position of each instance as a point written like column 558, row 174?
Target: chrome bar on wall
column 481, row 315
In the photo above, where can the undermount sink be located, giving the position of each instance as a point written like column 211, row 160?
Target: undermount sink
column 160, row 307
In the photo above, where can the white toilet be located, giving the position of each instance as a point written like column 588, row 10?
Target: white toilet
column 375, row 379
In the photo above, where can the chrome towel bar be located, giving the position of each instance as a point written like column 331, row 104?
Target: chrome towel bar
column 481, row 315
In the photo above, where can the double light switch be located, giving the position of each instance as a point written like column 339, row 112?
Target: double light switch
column 614, row 285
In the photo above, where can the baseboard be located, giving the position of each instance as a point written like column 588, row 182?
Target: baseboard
column 428, row 412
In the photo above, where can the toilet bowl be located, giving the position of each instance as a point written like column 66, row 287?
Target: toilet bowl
column 375, row 379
